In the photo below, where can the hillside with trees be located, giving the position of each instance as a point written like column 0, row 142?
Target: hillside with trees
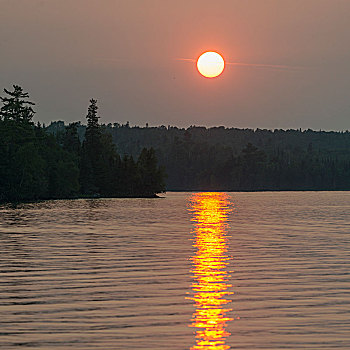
column 36, row 165
column 231, row 159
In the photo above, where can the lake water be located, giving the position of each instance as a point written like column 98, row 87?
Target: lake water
column 189, row 271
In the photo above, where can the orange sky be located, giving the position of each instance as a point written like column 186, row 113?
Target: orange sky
column 124, row 54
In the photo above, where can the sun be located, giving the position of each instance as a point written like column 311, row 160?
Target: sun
column 210, row 64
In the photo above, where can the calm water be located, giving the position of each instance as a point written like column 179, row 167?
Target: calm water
column 190, row 271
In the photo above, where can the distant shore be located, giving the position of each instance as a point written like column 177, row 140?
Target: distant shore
column 155, row 196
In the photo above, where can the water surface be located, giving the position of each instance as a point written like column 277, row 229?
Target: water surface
column 191, row 271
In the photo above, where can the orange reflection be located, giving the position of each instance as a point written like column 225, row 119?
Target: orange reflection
column 210, row 287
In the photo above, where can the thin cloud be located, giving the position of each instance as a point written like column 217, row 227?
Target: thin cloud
column 185, row 59
column 261, row 65
column 253, row 65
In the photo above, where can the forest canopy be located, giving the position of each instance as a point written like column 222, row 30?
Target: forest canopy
column 117, row 160
column 35, row 164
column 231, row 159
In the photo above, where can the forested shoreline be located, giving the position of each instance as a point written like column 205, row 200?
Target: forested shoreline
column 232, row 159
column 35, row 164
column 119, row 160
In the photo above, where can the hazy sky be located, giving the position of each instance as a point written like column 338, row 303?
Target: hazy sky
column 124, row 53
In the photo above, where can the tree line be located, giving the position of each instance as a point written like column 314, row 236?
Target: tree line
column 35, row 164
column 232, row 159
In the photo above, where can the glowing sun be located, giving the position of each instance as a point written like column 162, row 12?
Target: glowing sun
column 210, row 64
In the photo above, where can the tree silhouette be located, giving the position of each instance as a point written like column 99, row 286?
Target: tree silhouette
column 91, row 151
column 151, row 175
column 35, row 164
column 16, row 107
column 32, row 163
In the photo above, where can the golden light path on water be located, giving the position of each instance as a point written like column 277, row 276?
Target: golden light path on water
column 211, row 288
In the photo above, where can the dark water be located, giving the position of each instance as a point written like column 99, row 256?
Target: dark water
column 191, row 271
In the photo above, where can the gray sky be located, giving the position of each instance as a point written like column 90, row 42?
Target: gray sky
column 124, row 53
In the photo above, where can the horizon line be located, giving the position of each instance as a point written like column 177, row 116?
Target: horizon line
column 299, row 129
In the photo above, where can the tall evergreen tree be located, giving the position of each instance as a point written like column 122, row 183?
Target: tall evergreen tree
column 93, row 128
column 99, row 157
column 16, row 107
column 32, row 164
column 91, row 151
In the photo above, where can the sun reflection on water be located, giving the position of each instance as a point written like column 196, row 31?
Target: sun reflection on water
column 211, row 289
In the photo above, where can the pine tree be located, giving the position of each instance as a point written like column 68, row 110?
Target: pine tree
column 91, row 152
column 93, row 127
column 152, row 176
column 16, row 107
column 99, row 157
